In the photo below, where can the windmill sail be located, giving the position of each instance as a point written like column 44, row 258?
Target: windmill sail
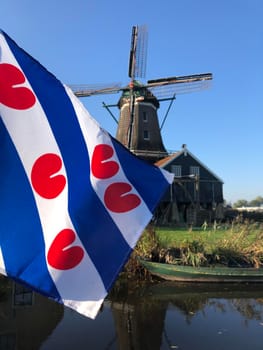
column 138, row 126
column 160, row 87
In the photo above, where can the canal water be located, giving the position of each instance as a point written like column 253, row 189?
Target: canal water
column 148, row 316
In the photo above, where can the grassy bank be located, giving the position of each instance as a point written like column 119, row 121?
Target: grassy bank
column 238, row 244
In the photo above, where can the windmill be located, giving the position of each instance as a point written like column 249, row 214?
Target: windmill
column 138, row 125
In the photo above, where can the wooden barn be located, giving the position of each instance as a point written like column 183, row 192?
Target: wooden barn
column 196, row 195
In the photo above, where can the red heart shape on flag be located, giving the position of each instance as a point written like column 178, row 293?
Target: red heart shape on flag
column 43, row 178
column 118, row 200
column 11, row 95
column 100, row 167
column 60, row 255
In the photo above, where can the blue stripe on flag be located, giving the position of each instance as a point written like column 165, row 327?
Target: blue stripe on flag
column 21, row 238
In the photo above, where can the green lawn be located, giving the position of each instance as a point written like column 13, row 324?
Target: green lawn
column 171, row 237
column 176, row 237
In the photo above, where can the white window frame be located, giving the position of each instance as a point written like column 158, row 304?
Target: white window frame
column 176, row 170
column 195, row 170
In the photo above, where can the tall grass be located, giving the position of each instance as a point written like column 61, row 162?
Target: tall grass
column 236, row 244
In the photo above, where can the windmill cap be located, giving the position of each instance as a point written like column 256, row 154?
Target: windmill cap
column 140, row 91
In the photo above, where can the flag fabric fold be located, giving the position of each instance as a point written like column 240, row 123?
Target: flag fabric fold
column 73, row 200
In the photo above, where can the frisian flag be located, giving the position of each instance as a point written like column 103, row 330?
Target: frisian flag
column 73, row 200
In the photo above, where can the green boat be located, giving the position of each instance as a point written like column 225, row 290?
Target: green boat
column 181, row 273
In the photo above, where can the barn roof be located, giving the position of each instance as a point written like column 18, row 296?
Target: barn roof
column 164, row 162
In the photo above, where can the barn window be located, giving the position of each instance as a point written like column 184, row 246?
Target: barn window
column 176, row 170
column 194, row 170
column 146, row 135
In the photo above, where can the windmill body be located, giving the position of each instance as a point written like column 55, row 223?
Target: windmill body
column 140, row 131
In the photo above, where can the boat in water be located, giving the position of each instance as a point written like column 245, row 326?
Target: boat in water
column 183, row 273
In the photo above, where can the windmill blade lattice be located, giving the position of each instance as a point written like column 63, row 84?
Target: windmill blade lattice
column 167, row 87
column 163, row 88
column 84, row 90
column 138, row 52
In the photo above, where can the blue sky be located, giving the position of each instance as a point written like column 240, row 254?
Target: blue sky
column 88, row 42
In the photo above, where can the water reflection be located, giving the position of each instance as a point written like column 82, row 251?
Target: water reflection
column 26, row 319
column 160, row 316
column 170, row 316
